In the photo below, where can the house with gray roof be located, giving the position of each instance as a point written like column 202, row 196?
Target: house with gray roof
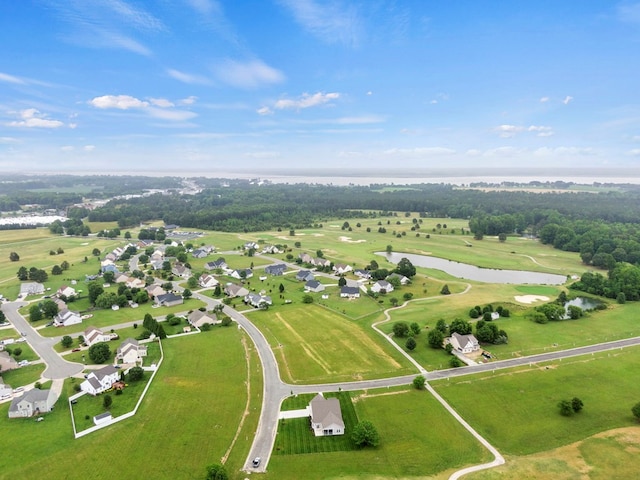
column 257, row 300
column 326, row 416
column 215, row 264
column 231, row 290
column 349, row 292
column 276, row 269
column 198, row 318
column 464, row 343
column 33, row 402
column 169, row 299
column 65, row 318
column 382, row 286
column 31, row 288
column 130, row 351
column 304, row 276
column 313, row 286
column 100, row 380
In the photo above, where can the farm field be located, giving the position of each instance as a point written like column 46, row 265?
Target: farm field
column 528, row 398
column 188, row 380
column 314, row 345
column 406, row 420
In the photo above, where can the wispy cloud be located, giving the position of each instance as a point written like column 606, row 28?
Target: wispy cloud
column 107, row 23
column 188, row 78
column 33, row 118
column 567, row 99
column 544, row 99
column 251, row 74
column 5, row 77
column 160, row 108
column 509, row 131
column 306, row 100
column 419, row 151
column 635, row 152
column 332, row 22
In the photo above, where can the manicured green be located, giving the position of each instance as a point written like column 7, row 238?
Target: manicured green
column 26, row 375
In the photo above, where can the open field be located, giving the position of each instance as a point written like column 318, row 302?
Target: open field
column 23, row 375
column 407, row 421
column 526, row 399
column 178, row 418
column 315, row 345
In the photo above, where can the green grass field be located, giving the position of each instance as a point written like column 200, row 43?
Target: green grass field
column 23, row 375
column 314, row 345
column 517, row 409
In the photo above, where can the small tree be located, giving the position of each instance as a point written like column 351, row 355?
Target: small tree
column 307, row 299
column 216, row 472
column 419, row 382
column 576, row 404
column 455, row 362
column 187, row 294
column 565, row 408
column 3, row 318
column 401, row 329
column 99, row 352
column 365, row 434
column 35, row 313
column 445, row 290
column 415, row 328
column 389, row 248
column 636, row 410
column 66, row 341
column 435, row 338
column 281, row 288
column 410, row 344
column 342, row 282
column 17, row 352
column 14, row 257
column 136, row 374
column 107, row 401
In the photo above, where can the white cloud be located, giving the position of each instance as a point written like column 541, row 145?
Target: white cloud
column 188, row 101
column 419, row 151
column 634, row 152
column 502, row 152
column 251, row 74
column 7, row 140
column 204, row 7
column 510, row 131
column 89, row 148
column 264, row 111
column 5, row 77
column 562, row 151
column 161, row 102
column 306, row 101
column 332, row 22
column 188, row 78
column 360, row 120
column 541, row 130
column 173, row 115
column 121, row 102
column 567, row 99
column 369, row 92
column 32, row 118
column 544, row 99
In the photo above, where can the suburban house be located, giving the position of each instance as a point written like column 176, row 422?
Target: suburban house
column 365, row 274
column 198, row 318
column 382, row 286
column 66, row 291
column 277, row 269
column 108, row 266
column 241, row 273
column 7, row 362
column 305, row 258
column 251, row 246
column 154, row 290
column 133, row 282
column 34, row 402
column 256, row 300
column 326, row 416
column 65, row 318
column 157, row 262
column 464, row 343
column 270, row 249
column 207, row 281
column 130, row 351
column 232, row 290
column 169, row 299
column 321, row 262
column 199, row 253
column 93, row 335
column 401, row 278
column 180, row 270
column 214, row 265
column 349, row 292
column 304, row 276
column 313, row 286
column 120, row 278
column 31, row 288
column 342, row 268
column 100, row 380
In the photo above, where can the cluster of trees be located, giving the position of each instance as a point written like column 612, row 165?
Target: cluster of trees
column 99, row 352
column 156, row 234
column 72, row 226
column 622, row 283
column 556, row 311
column 33, row 274
column 44, row 309
column 486, row 311
column 569, row 407
column 151, row 325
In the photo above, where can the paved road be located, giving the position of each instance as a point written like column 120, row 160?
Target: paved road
column 57, row 367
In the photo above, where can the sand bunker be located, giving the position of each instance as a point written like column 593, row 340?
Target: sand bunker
column 528, row 299
column 348, row 240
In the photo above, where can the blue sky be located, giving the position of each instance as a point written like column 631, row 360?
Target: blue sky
column 219, row 86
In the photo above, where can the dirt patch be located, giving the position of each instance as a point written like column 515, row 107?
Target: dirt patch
column 529, row 299
column 369, row 395
column 348, row 240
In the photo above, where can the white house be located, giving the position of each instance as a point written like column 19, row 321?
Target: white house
column 382, row 286
column 100, row 380
column 207, row 281
column 464, row 343
column 232, row 290
column 257, row 300
column 65, row 318
column 342, row 268
column 130, row 351
column 94, row 335
column 326, row 416
column 403, row 280
column 198, row 318
column 34, row 402
column 241, row 273
column 349, row 292
column 66, row 291
column 313, row 286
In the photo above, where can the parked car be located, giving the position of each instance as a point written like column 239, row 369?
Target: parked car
column 75, row 350
column 39, row 419
column 18, row 390
column 23, row 363
column 256, row 462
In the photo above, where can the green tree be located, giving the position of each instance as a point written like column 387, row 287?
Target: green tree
column 365, row 434
column 406, row 268
column 95, row 252
column 410, row 344
column 576, row 404
column 636, row 410
column 14, row 257
column 281, row 288
column 49, row 308
column 35, row 313
column 455, row 362
column 435, row 338
column 441, row 325
column 136, row 374
column 94, row 289
column 415, row 328
column 192, row 282
column 56, row 270
column 66, row 341
column 502, row 237
column 445, row 290
column 99, row 352
column 565, row 408
column 3, row 317
column 23, row 274
column 419, row 382
column 342, row 282
column 389, row 248
column 107, row 401
column 401, row 329
column 216, row 472
column 187, row 294
column 393, row 301
column 17, row 352
column 460, row 326
column 65, row 265
column 307, row 298
column 217, row 291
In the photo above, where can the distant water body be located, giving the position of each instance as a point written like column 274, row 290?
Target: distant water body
column 404, row 176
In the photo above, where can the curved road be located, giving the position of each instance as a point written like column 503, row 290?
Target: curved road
column 57, row 367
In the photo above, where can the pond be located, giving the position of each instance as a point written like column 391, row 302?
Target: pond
column 584, row 303
column 471, row 272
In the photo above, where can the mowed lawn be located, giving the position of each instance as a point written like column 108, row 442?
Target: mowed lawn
column 418, row 438
column 187, row 421
column 315, row 345
column 517, row 409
